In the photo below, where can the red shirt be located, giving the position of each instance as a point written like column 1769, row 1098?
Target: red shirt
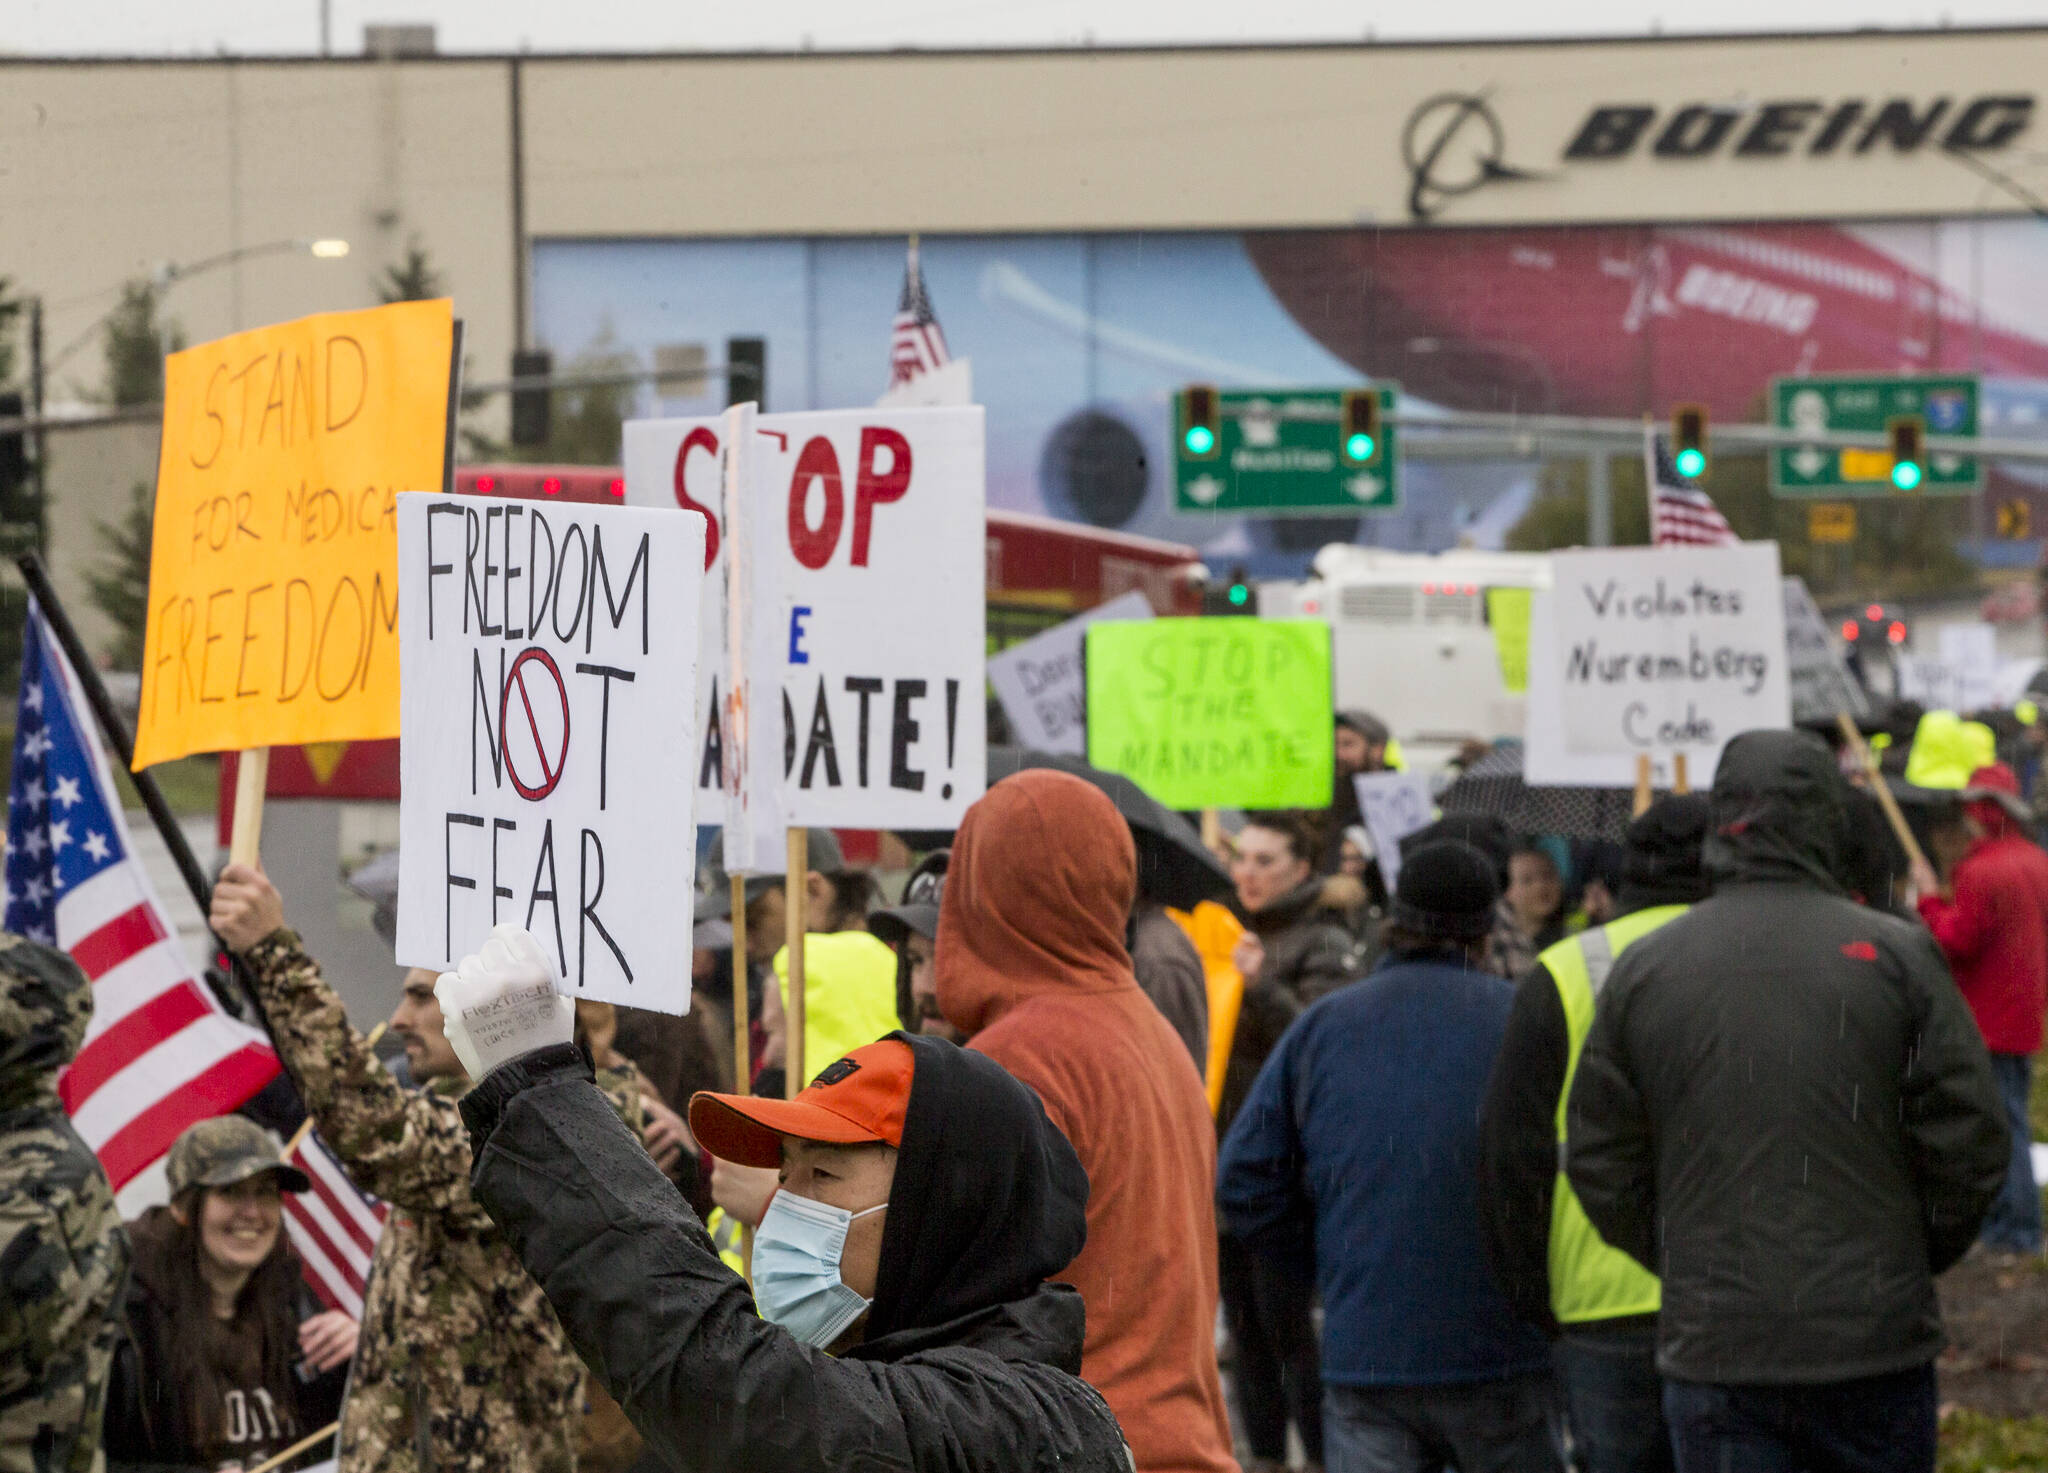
column 1995, row 935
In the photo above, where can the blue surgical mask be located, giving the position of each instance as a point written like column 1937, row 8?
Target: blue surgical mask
column 796, row 1268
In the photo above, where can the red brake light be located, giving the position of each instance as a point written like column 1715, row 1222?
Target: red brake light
column 1897, row 633
column 619, row 486
column 552, row 485
column 1874, row 613
column 1428, row 588
column 1311, row 606
column 1849, row 630
column 1471, row 590
column 485, row 484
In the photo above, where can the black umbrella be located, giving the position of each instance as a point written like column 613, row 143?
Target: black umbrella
column 1493, row 785
column 1173, row 867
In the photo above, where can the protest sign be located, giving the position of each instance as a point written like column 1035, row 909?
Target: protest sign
column 1038, row 680
column 1507, row 612
column 1653, row 652
column 1821, row 683
column 549, row 654
column 1395, row 805
column 1214, row 713
column 863, row 569
column 272, row 585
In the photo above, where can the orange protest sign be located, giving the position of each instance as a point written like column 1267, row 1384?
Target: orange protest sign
column 273, row 586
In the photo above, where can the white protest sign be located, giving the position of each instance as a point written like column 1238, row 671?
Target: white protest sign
column 864, row 553
column 1653, row 652
column 548, row 657
column 1963, row 676
column 1039, row 680
column 1821, row 683
column 1395, row 805
column 1970, row 651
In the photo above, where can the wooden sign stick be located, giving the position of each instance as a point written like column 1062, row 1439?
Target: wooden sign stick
column 296, row 1448
column 742, row 1050
column 796, row 890
column 1880, row 789
column 1681, row 780
column 252, row 776
column 1644, row 792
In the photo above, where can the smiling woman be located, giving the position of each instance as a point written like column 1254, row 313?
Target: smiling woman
column 224, row 1358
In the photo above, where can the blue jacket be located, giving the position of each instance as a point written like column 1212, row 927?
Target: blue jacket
column 1359, row 1145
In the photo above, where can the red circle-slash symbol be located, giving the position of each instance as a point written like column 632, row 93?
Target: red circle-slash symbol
column 518, row 678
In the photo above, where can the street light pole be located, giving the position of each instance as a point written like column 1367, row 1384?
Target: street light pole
column 170, row 273
column 39, row 444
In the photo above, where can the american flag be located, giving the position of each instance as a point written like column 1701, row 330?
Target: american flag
column 334, row 1227
column 917, row 344
column 1681, row 515
column 160, row 1052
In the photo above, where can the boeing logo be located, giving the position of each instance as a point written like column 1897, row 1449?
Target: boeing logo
column 1453, row 144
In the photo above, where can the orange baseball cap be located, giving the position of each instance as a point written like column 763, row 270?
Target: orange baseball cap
column 858, row 1100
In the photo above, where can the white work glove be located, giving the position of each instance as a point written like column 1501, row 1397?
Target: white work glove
column 503, row 1001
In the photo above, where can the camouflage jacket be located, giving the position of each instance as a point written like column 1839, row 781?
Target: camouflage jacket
column 462, row 1367
column 63, row 1252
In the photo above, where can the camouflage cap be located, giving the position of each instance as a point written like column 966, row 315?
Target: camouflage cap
column 45, row 1006
column 225, row 1150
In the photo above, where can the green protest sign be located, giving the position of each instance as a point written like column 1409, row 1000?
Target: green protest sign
column 1214, row 713
column 1507, row 610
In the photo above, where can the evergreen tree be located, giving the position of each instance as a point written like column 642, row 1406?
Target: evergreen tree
column 136, row 344
column 413, row 280
column 119, row 585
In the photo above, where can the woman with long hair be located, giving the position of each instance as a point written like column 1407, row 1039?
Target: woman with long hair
column 226, row 1359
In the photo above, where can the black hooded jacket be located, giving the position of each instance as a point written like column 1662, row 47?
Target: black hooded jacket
column 970, row 1358
column 1783, row 1107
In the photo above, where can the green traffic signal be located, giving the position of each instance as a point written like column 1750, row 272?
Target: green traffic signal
column 1691, row 462
column 1240, row 595
column 1906, row 474
column 1359, row 447
column 1200, row 439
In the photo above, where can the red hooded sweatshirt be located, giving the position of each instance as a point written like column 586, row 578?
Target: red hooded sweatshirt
column 1031, row 964
column 1995, row 929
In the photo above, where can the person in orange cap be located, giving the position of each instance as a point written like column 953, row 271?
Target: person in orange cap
column 900, row 1271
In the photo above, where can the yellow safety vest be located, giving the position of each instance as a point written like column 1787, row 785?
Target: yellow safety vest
column 1588, row 1279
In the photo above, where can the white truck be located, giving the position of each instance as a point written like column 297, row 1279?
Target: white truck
column 1412, row 640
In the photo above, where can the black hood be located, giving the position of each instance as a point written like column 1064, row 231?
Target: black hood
column 989, row 1201
column 1664, row 863
column 1780, row 812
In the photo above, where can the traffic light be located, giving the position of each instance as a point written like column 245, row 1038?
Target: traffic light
column 531, row 406
column 1233, row 596
column 1689, row 440
column 1908, row 434
column 1359, row 432
column 1200, row 420
column 746, row 371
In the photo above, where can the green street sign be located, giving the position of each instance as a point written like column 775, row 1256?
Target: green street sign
column 1284, row 452
column 1945, row 403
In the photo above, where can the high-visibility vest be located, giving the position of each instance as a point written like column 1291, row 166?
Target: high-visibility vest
column 1588, row 1279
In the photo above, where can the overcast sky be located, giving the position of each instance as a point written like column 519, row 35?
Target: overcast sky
column 269, row 27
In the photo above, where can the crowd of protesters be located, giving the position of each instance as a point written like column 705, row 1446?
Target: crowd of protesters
column 1623, row 1156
